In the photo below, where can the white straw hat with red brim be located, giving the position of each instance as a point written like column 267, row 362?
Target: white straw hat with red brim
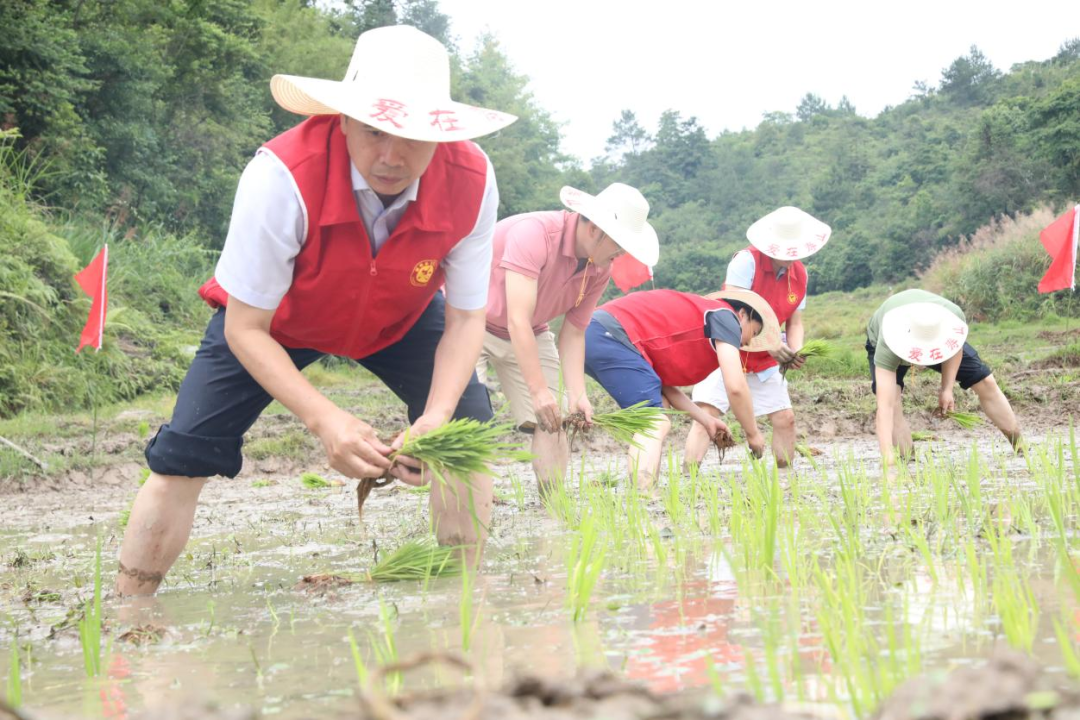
column 923, row 333
column 788, row 233
column 622, row 212
column 769, row 337
column 398, row 81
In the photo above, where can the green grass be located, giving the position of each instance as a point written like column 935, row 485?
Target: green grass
column 294, row 443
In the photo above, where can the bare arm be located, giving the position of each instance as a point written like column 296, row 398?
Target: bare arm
column 572, row 360
column 455, row 363
column 795, row 331
column 520, row 306
column 351, row 445
column 949, row 368
column 888, row 397
column 678, row 400
column 738, row 393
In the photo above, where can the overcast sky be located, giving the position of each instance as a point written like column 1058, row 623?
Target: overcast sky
column 728, row 63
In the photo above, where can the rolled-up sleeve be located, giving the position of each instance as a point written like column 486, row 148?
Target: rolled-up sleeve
column 468, row 265
column 266, row 232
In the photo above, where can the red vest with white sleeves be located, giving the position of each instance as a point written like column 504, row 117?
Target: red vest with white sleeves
column 668, row 327
column 344, row 301
column 783, row 295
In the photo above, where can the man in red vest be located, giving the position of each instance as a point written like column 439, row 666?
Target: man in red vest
column 548, row 264
column 642, row 347
column 343, row 230
column 772, row 268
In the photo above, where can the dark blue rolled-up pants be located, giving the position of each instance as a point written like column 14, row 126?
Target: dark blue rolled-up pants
column 219, row 401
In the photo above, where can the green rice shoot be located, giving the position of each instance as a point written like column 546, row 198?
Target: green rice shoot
column 463, row 447
column 314, row 481
column 965, row 420
column 417, row 560
column 14, row 682
column 622, row 425
column 922, row 436
column 817, row 348
column 90, row 624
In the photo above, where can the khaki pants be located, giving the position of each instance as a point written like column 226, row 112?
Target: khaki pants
column 499, row 353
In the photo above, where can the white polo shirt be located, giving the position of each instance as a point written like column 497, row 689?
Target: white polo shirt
column 269, row 225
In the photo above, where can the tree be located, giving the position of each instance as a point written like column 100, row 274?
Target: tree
column 969, row 80
column 810, row 106
column 627, row 136
column 526, row 154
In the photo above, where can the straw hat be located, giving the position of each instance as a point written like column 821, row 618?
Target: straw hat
column 923, row 333
column 620, row 211
column 769, row 337
column 788, row 233
column 399, row 82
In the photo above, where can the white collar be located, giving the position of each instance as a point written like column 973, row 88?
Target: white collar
column 408, row 195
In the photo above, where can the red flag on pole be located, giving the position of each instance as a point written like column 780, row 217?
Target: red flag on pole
column 1060, row 239
column 92, row 280
column 628, row 272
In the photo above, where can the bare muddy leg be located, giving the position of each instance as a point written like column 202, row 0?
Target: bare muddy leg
column 157, row 531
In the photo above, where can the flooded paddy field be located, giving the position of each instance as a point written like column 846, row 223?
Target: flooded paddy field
column 823, row 587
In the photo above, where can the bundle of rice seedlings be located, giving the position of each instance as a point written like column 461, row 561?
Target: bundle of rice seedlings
column 463, row 447
column 923, row 436
column 622, row 425
column 314, row 481
column 816, row 348
column 417, row 560
column 965, row 420
column 806, row 451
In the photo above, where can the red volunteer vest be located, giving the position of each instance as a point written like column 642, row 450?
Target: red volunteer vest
column 343, row 301
column 783, row 295
column 668, row 327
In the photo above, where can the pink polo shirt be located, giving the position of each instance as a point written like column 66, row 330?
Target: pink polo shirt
column 540, row 245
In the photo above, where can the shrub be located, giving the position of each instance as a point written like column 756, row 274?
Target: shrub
column 994, row 274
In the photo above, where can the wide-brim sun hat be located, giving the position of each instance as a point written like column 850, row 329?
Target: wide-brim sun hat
column 769, row 337
column 622, row 212
column 398, row 81
column 788, row 233
column 923, row 333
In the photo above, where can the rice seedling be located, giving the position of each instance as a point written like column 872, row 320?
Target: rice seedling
column 466, row 616
column 817, row 348
column 385, row 647
column 362, row 672
column 584, row 565
column 1016, row 609
column 623, row 424
column 923, row 436
column 90, row 624
column 314, row 481
column 14, row 681
column 1069, row 655
column 966, row 420
column 417, row 560
column 463, row 447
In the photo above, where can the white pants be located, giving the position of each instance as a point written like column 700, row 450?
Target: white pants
column 769, row 396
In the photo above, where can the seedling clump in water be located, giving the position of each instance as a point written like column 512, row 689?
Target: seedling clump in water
column 622, row 425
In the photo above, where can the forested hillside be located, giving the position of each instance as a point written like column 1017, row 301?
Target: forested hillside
column 147, row 112
column 131, row 120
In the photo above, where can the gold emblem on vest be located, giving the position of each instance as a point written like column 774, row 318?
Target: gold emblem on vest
column 792, row 298
column 422, row 273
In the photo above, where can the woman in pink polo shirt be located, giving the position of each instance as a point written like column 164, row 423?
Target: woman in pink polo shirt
column 547, row 264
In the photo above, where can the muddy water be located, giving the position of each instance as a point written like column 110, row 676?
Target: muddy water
column 229, row 625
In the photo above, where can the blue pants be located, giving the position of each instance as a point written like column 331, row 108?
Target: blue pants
column 621, row 370
column 219, row 401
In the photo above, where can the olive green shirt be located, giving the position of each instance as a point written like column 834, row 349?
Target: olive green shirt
column 885, row 358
